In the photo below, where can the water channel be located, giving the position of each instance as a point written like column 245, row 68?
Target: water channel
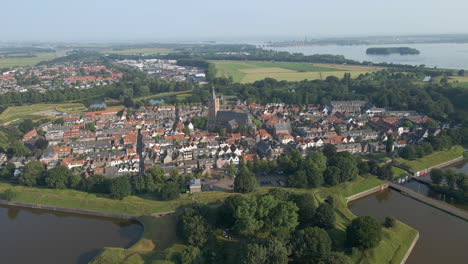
column 38, row 236
column 461, row 166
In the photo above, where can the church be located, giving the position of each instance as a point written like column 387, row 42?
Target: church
column 224, row 119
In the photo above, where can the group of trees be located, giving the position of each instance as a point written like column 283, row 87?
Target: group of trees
column 154, row 181
column 450, row 183
column 273, row 228
column 318, row 168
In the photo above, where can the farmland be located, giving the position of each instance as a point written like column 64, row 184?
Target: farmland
column 26, row 61
column 38, row 111
column 251, row 71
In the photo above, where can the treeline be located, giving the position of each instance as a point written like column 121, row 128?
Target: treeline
column 327, row 168
column 388, row 51
column 154, row 181
column 276, row 227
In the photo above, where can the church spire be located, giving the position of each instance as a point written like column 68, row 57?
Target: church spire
column 213, row 93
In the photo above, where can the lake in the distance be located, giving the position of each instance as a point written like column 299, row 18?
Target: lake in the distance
column 441, row 55
column 38, row 236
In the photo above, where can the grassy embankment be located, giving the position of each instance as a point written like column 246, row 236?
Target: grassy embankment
column 38, row 111
column 433, row 159
column 153, row 247
column 251, row 71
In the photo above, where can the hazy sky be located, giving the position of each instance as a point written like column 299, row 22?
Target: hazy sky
column 102, row 20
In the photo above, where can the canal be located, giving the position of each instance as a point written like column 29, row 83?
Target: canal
column 38, row 236
column 461, row 166
column 443, row 237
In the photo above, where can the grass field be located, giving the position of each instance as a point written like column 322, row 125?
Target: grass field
column 433, row 159
column 153, row 246
column 251, row 71
column 144, row 51
column 12, row 62
column 132, row 205
column 398, row 173
column 38, row 111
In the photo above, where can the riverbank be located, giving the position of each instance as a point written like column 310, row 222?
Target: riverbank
column 131, row 205
column 69, row 210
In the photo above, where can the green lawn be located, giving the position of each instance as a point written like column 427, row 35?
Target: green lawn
column 38, row 111
column 251, row 71
column 433, row 159
column 132, row 205
column 12, row 62
column 398, row 173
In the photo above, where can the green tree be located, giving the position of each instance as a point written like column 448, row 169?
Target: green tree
column 192, row 228
column 306, row 204
column 120, row 187
column 329, row 150
column 437, row 175
column 91, row 127
column 364, row 232
column 169, row 191
column 338, row 258
column 7, row 171
column 74, row 181
column 58, row 177
column 190, row 255
column 18, row 149
column 311, row 245
column 245, row 181
column 332, row 176
column 255, row 254
column 26, row 125
column 324, row 216
column 347, row 165
column 228, row 209
column 33, row 173
column 389, row 222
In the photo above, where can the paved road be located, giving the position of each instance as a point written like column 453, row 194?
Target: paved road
column 442, row 206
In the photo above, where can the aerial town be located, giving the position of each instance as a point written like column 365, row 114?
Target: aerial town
column 117, row 142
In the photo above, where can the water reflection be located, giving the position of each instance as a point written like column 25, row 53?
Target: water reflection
column 38, row 236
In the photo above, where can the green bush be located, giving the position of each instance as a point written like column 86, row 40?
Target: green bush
column 8, row 195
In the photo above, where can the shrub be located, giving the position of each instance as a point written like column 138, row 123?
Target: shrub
column 389, row 222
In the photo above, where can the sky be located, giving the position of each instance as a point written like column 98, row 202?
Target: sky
column 188, row 20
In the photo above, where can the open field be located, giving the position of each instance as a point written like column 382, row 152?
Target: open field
column 433, row 159
column 144, row 51
column 398, row 173
column 251, row 71
column 150, row 249
column 12, row 62
column 39, row 111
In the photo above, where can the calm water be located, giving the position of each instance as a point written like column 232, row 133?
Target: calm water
column 452, row 56
column 443, row 238
column 461, row 166
column 36, row 236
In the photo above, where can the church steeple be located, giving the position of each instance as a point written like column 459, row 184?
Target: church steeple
column 213, row 107
column 213, row 95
